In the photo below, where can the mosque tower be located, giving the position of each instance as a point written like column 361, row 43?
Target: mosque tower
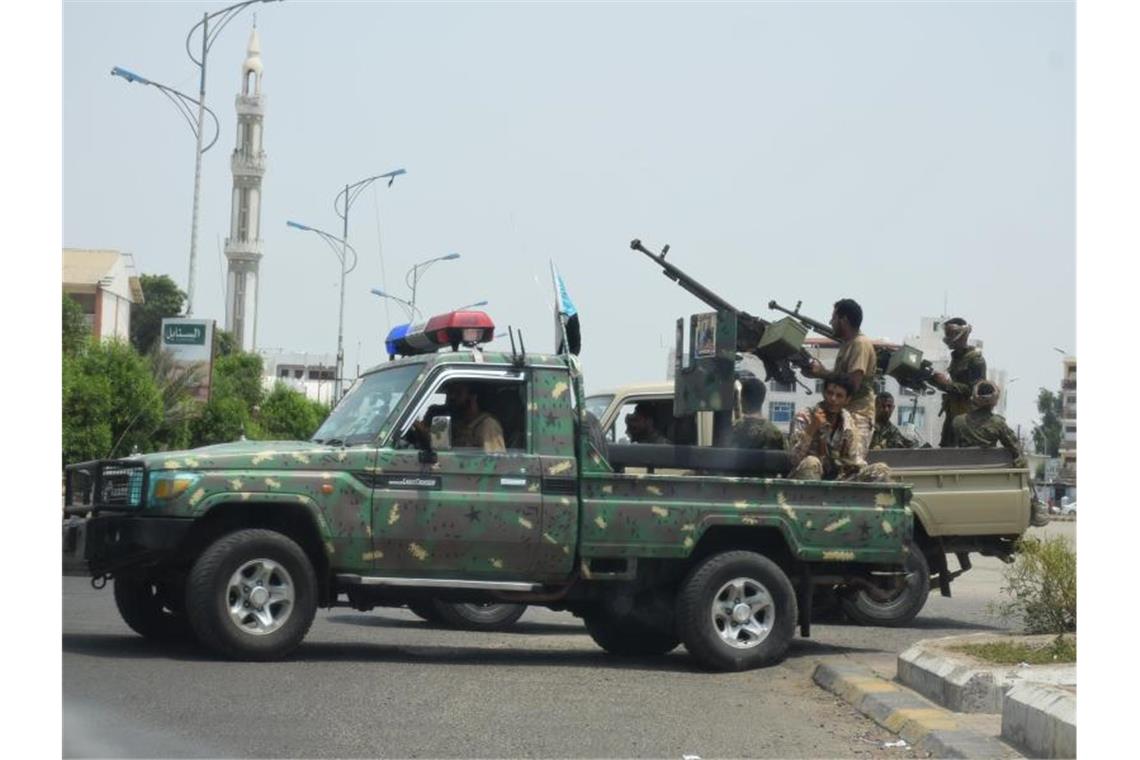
column 243, row 246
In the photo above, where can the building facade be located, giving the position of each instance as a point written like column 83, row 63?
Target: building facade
column 105, row 283
column 311, row 374
column 243, row 246
column 1068, row 451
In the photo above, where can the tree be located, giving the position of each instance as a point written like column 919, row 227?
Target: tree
column 161, row 299
column 76, row 333
column 1047, row 433
column 179, row 406
column 224, row 343
column 286, row 414
column 111, row 403
column 239, row 375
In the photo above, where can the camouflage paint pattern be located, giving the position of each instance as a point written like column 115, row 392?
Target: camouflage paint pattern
column 515, row 515
column 666, row 515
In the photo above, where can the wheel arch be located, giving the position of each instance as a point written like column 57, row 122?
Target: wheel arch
column 295, row 520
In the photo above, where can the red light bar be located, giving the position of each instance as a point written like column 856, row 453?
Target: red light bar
column 455, row 328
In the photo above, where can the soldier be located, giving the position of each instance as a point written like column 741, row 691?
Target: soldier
column 470, row 427
column 966, row 368
column 981, row 427
column 752, row 430
column 856, row 360
column 640, row 427
column 886, row 435
column 824, row 444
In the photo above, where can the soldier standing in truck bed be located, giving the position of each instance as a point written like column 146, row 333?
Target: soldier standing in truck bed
column 753, row 430
column 967, row 367
column 856, row 360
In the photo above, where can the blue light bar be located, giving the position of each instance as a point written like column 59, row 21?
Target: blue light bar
column 395, row 336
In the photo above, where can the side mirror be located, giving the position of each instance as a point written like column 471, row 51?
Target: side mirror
column 441, row 433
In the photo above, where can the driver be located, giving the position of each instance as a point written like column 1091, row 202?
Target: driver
column 470, row 427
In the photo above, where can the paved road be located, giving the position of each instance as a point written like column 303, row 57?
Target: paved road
column 385, row 684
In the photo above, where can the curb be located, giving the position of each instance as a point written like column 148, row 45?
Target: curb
column 921, row 723
column 1040, row 720
column 961, row 684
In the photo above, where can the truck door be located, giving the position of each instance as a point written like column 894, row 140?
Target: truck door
column 470, row 513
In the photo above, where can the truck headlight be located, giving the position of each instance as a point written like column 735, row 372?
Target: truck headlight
column 168, row 486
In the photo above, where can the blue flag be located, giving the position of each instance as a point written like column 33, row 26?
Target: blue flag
column 568, row 333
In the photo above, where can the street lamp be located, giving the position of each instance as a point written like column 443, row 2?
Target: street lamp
column 472, row 305
column 340, row 252
column 412, row 276
column 208, row 37
column 182, row 102
column 344, row 199
column 410, row 308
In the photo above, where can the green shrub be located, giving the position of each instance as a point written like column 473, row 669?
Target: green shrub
column 287, row 415
column 1042, row 586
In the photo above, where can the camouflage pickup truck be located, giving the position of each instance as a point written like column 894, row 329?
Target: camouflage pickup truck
column 964, row 500
column 238, row 544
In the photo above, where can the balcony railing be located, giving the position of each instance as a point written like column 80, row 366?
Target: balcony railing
column 1069, row 385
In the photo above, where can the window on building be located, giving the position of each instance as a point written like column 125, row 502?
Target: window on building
column 819, row 387
column 781, row 412
column 327, row 374
column 879, row 384
column 1071, row 429
column 299, row 374
column 776, row 385
column 283, row 373
column 243, row 214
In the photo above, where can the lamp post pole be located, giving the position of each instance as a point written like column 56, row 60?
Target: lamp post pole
column 350, row 192
column 414, row 273
column 340, row 248
column 226, row 14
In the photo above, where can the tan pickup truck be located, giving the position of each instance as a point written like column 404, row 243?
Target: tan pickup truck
column 964, row 500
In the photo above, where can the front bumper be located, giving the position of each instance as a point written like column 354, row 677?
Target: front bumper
column 104, row 544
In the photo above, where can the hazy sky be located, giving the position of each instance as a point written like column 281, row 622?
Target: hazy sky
column 905, row 155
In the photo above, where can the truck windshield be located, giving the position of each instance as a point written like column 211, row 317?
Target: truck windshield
column 597, row 405
column 361, row 414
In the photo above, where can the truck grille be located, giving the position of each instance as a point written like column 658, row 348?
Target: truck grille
column 110, row 484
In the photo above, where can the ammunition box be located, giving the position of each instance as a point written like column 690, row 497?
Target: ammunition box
column 905, row 365
column 781, row 339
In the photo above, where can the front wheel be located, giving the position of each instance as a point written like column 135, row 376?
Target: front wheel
column 152, row 609
column 736, row 611
column 252, row 595
column 901, row 607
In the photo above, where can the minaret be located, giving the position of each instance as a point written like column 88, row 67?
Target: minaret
column 243, row 246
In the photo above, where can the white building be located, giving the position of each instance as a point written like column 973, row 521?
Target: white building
column 310, row 373
column 105, row 284
column 1068, row 450
column 243, row 246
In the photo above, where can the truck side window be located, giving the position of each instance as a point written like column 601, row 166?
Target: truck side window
column 503, row 400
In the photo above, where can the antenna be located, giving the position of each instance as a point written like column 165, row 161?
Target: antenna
column 522, row 347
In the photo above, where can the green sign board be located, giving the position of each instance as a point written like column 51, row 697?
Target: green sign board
column 184, row 334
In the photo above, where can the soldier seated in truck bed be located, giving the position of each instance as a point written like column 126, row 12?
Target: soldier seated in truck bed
column 825, row 444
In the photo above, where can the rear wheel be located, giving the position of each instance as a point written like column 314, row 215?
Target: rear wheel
column 629, row 636
column 736, row 611
column 252, row 595
column 899, row 608
column 152, row 609
column 476, row 616
column 425, row 610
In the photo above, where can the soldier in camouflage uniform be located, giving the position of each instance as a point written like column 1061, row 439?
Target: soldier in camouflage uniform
column 825, row 444
column 981, row 427
column 856, row 360
column 886, row 435
column 470, row 426
column 752, row 430
column 641, row 427
column 967, row 367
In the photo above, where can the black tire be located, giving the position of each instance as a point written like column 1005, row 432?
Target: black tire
column 708, row 637
column 214, row 588
column 425, row 610
column 628, row 637
column 478, row 617
column 152, row 609
column 864, row 610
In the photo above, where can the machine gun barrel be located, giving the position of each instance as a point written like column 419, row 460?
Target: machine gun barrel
column 819, row 327
column 688, row 283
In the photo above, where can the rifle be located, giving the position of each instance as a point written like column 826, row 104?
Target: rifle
column 749, row 329
column 914, row 376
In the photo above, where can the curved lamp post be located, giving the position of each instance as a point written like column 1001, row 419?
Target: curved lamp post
column 183, row 103
column 412, row 276
column 344, row 199
column 409, row 308
column 208, row 37
column 341, row 248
